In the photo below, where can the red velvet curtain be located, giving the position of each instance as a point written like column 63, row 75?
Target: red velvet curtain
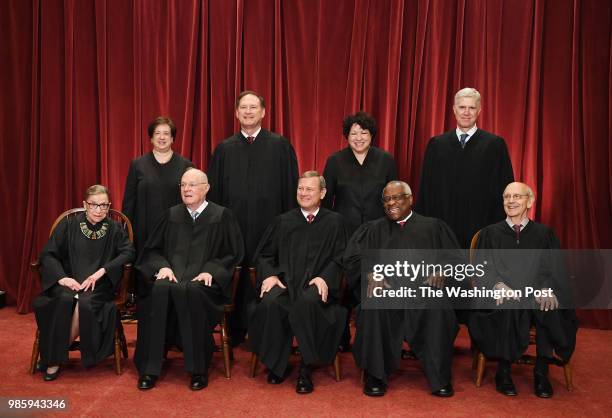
column 82, row 78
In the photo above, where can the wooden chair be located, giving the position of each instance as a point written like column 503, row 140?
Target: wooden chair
column 226, row 346
column 254, row 357
column 479, row 361
column 120, row 296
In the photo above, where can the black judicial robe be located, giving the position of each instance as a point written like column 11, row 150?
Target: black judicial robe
column 69, row 253
column 354, row 189
column 504, row 334
column 186, row 312
column 380, row 332
column 150, row 189
column 257, row 182
column 297, row 252
column 464, row 186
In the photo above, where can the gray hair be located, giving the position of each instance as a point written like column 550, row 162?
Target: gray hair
column 314, row 173
column 467, row 92
column 404, row 185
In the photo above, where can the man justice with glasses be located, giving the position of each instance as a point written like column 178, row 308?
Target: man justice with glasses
column 514, row 262
column 187, row 264
column 381, row 332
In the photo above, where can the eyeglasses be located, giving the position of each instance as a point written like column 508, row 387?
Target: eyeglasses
column 396, row 197
column 101, row 206
column 515, row 196
column 190, row 185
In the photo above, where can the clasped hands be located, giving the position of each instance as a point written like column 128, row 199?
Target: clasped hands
column 272, row 281
column 433, row 281
column 88, row 283
column 547, row 303
column 167, row 273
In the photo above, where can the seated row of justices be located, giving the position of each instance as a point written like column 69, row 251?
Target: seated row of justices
column 254, row 173
column 188, row 261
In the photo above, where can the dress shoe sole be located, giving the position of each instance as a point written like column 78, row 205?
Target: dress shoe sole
column 505, row 393
column 374, row 394
column 443, row 394
column 51, row 377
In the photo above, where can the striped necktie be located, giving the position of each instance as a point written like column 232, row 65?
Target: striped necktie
column 463, row 139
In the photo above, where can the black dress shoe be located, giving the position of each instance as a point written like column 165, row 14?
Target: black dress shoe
column 444, row 392
column 374, row 386
column 504, row 384
column 48, row 377
column 541, row 386
column 274, row 379
column 199, row 381
column 304, row 384
column 146, row 381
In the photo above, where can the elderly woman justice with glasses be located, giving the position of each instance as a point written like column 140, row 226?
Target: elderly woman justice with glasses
column 81, row 267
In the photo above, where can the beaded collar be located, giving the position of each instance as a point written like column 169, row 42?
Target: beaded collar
column 94, row 234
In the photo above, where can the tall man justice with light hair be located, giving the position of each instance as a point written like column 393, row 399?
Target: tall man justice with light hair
column 464, row 173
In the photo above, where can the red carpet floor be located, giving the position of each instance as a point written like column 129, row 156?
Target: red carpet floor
column 100, row 392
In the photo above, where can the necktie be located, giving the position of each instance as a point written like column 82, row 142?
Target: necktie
column 250, row 139
column 462, row 139
column 402, row 223
column 194, row 215
column 517, row 231
column 310, row 218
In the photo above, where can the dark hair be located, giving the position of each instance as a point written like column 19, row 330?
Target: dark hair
column 246, row 93
column 161, row 120
column 362, row 119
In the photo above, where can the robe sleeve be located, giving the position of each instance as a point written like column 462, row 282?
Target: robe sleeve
column 266, row 255
column 552, row 272
column 332, row 272
column 215, row 175
column 422, row 200
column 450, row 251
column 152, row 258
column 291, row 180
column 128, row 207
column 330, row 175
column 54, row 255
column 353, row 255
column 230, row 253
column 123, row 252
column 486, row 256
column 503, row 176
